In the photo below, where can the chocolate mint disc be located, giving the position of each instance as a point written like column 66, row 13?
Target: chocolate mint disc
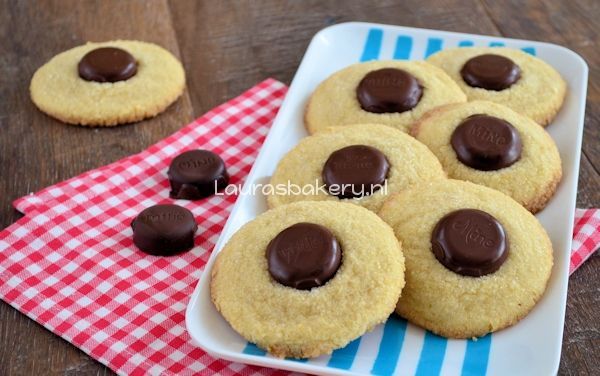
column 355, row 171
column 164, row 230
column 196, row 174
column 107, row 64
column 388, row 90
column 491, row 72
column 470, row 242
column 486, row 143
column 304, row 256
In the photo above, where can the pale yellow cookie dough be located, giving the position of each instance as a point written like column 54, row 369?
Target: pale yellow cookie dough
column 308, row 323
column 457, row 306
column 531, row 181
column 57, row 89
column 538, row 94
column 410, row 163
column 334, row 102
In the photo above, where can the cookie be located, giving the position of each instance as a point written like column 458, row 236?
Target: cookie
column 304, row 279
column 109, row 83
column 373, row 160
column 507, row 76
column 492, row 145
column 476, row 260
column 394, row 93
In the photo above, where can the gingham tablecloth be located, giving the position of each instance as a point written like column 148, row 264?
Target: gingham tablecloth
column 70, row 264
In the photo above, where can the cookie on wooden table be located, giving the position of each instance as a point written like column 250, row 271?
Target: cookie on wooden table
column 394, row 93
column 304, row 279
column 109, row 83
column 476, row 260
column 507, row 76
column 490, row 144
column 361, row 164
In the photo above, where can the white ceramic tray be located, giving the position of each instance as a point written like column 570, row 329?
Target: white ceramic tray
column 532, row 347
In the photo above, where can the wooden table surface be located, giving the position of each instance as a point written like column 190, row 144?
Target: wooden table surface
column 226, row 47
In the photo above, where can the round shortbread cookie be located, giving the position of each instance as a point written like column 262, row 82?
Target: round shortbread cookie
column 335, row 103
column 531, row 180
column 410, row 162
column 288, row 322
column 538, row 94
column 455, row 305
column 58, row 90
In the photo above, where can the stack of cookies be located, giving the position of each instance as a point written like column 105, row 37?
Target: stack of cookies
column 429, row 173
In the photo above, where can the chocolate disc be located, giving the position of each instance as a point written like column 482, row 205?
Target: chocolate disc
column 304, row 256
column 107, row 64
column 355, row 171
column 486, row 143
column 196, row 174
column 164, row 230
column 469, row 242
column 491, row 72
column 388, row 90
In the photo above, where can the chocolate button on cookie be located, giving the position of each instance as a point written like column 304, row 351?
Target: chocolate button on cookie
column 108, row 83
column 355, row 171
column 388, row 90
column 107, row 64
column 469, row 242
column 491, row 72
column 486, row 143
column 394, row 93
column 361, row 164
column 505, row 76
column 304, row 279
column 492, row 145
column 476, row 260
column 303, row 256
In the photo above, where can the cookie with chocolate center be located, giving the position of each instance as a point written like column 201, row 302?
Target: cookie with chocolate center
column 361, row 164
column 490, row 144
column 304, row 279
column 476, row 260
column 394, row 93
column 506, row 76
column 108, row 83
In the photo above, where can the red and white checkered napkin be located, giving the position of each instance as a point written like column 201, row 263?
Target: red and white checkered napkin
column 586, row 236
column 70, row 263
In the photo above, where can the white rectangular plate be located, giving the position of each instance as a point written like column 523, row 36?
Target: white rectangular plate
column 532, row 347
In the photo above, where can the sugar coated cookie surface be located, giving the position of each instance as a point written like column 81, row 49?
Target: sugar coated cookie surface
column 492, row 145
column 507, row 76
column 392, row 159
column 109, row 83
column 263, row 285
column 476, row 261
column 394, row 93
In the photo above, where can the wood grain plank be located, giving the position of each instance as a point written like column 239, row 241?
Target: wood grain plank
column 574, row 25
column 230, row 45
column 36, row 151
column 226, row 47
